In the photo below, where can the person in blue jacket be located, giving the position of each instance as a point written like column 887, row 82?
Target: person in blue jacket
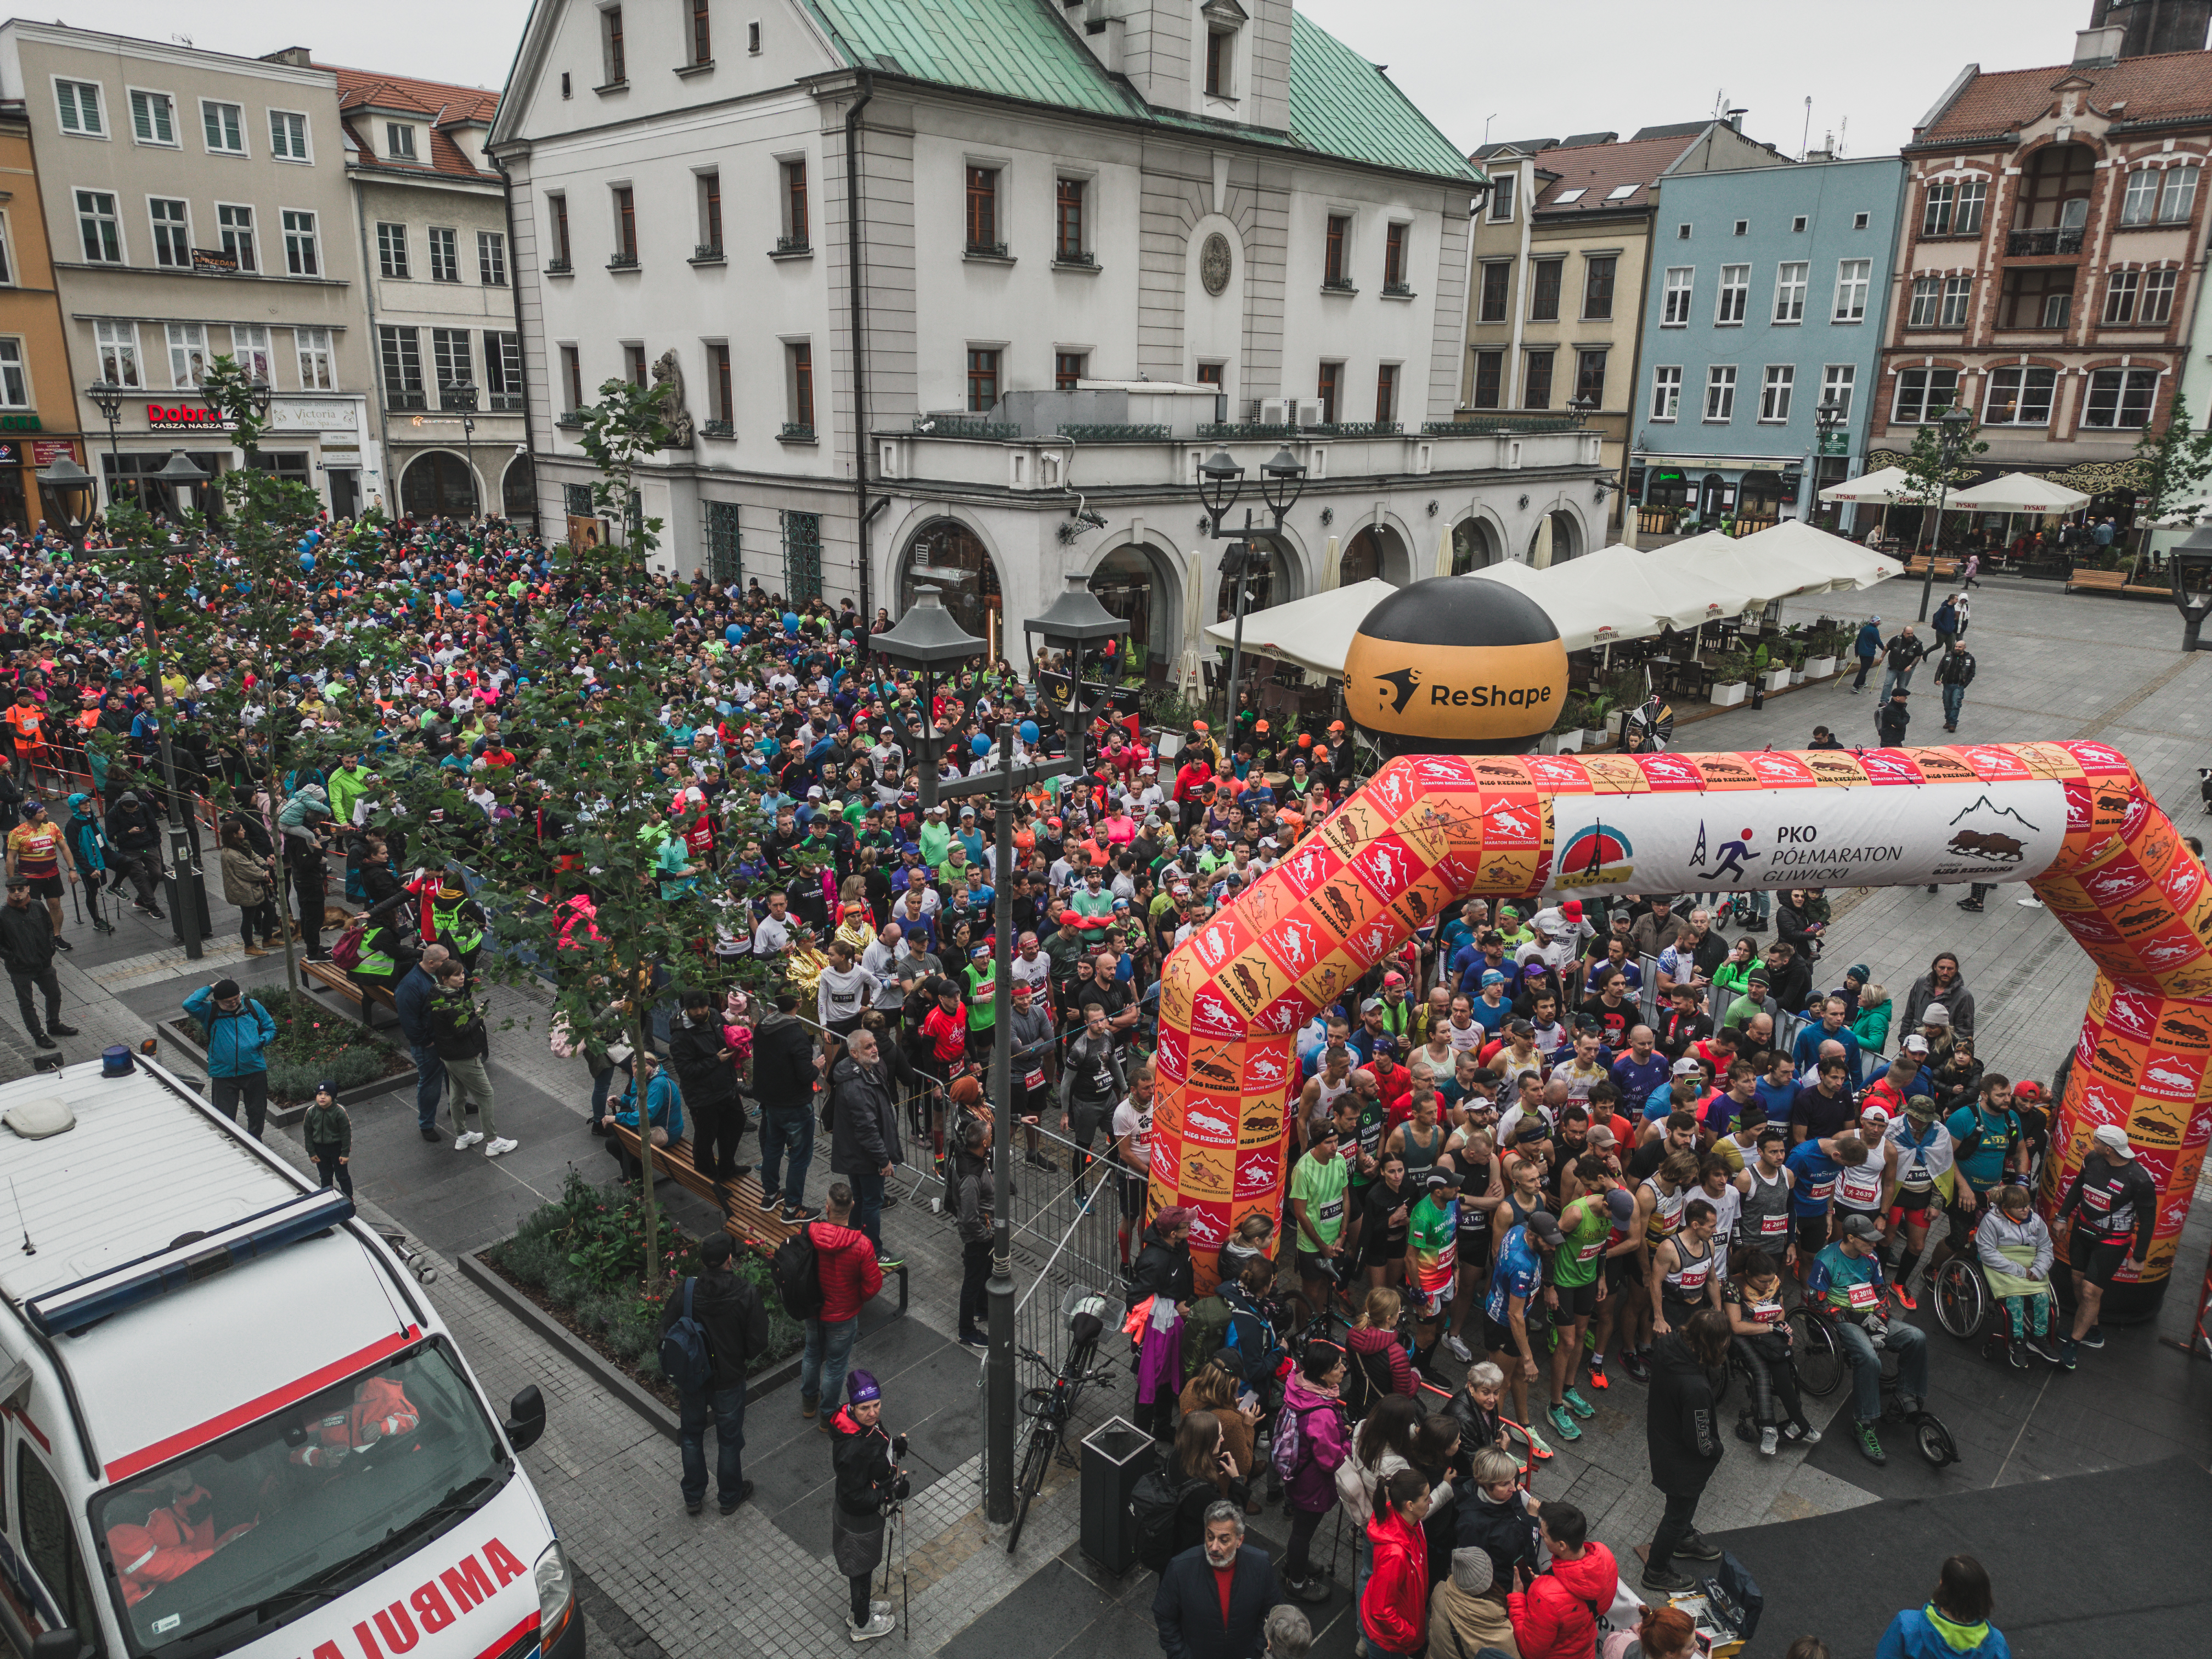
column 1869, row 646
column 87, row 840
column 1954, row 1624
column 238, row 1032
column 664, row 1111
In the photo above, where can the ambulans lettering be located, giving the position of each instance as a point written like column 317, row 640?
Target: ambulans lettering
column 431, row 1607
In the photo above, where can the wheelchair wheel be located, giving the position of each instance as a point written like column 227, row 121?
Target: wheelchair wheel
column 1817, row 1354
column 1934, row 1440
column 1962, row 1299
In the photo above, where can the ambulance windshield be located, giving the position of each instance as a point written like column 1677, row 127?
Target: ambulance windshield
column 266, row 1523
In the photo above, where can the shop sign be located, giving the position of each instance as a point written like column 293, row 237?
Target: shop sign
column 45, row 451
column 183, row 415
column 19, row 423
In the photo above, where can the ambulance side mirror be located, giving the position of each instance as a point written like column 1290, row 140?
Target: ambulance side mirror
column 526, row 1422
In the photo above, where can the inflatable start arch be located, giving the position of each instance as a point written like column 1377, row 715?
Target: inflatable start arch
column 2070, row 818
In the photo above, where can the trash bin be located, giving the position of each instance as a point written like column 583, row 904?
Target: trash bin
column 1116, row 1456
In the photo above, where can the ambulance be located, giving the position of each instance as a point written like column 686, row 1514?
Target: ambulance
column 233, row 1424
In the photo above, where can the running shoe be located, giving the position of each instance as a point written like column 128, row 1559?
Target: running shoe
column 1568, row 1428
column 1597, row 1377
column 1769, row 1441
column 1905, row 1299
column 1696, row 1547
column 2092, row 1338
column 1580, row 1406
column 2044, row 1349
column 1632, row 1362
column 1666, row 1581
column 1803, row 1433
column 1459, row 1351
column 2069, row 1353
column 462, row 1142
column 2017, row 1350
column 1537, row 1449
column 1870, row 1444
column 500, row 1145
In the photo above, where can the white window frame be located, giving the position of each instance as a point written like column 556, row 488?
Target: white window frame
column 407, row 271
column 316, row 353
column 132, row 95
column 1839, row 383
column 1790, row 292
column 1925, row 411
column 1676, row 299
column 307, row 137
column 1778, row 388
column 249, row 233
column 114, row 215
column 1665, row 392
column 1852, row 276
column 249, row 341
column 156, row 226
column 14, row 375
column 1720, row 389
column 2139, row 198
column 98, row 110
column 431, row 233
column 1924, row 301
column 2180, row 181
column 1739, row 288
column 7, row 250
column 394, row 131
column 2123, row 287
column 493, row 242
column 116, row 335
column 182, row 341
column 315, row 235
column 2159, row 287
column 1957, row 302
column 2122, row 376
column 239, row 110
column 2022, row 371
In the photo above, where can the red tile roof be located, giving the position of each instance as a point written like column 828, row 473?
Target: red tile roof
column 2166, row 84
column 1597, row 170
column 444, row 106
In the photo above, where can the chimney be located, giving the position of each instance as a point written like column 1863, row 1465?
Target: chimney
column 2099, row 47
column 1819, row 156
column 296, row 57
column 1735, row 117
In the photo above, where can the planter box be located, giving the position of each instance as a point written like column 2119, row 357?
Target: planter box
column 1727, row 696
column 1819, row 668
column 1596, row 737
column 1560, row 742
column 171, row 1031
column 1777, row 679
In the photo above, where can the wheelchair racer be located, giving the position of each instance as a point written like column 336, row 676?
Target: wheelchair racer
column 1846, row 1278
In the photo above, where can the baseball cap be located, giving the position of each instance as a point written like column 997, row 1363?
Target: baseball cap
column 1916, row 1044
column 814, row 792
column 1541, row 1224
column 1572, row 909
column 1684, row 1067
column 1394, row 978
column 1371, row 1003
column 1386, row 1048
column 1436, row 1178
column 1859, row 1226
column 1880, row 1114
column 1324, row 1130
column 2113, row 1139
column 1621, row 1204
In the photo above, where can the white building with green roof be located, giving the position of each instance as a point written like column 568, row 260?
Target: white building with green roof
column 1095, row 242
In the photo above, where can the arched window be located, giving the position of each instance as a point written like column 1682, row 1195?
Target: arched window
column 437, row 485
column 950, row 546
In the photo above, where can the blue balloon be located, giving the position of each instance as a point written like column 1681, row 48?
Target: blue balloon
column 981, row 745
column 1029, row 729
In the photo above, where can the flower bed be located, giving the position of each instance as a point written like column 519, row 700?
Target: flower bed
column 312, row 1043
column 581, row 1258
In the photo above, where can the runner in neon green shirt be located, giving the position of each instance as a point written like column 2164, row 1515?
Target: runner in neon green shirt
column 1317, row 1188
column 1577, row 1276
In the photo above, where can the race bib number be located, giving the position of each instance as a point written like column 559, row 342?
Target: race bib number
column 1330, row 1210
column 1821, row 1191
column 1766, row 1313
column 2096, row 1198
column 1773, row 1226
column 1864, row 1299
column 1034, row 1079
column 1588, row 1251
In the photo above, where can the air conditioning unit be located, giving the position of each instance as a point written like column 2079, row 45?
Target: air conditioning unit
column 1309, row 411
column 1276, row 411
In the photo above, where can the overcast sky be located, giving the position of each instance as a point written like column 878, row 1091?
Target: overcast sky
column 1524, row 71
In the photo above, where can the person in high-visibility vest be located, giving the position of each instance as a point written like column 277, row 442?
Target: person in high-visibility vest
column 456, row 922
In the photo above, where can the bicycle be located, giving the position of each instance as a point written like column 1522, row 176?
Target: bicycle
column 1051, row 1410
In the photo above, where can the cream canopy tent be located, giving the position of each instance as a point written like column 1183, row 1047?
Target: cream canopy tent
column 2018, row 492
column 1763, row 574
column 1586, row 613
column 1313, row 632
column 1636, row 582
column 1891, row 483
column 1848, row 565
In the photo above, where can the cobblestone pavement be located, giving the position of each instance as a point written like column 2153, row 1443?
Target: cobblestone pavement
column 659, row 1584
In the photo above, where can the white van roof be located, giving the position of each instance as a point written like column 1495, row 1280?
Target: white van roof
column 144, row 1165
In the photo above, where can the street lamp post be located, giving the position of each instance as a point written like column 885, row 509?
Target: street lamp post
column 462, row 396
column 2189, row 572
column 70, row 483
column 187, row 886
column 1282, row 479
column 928, row 640
column 1952, row 436
column 1826, row 419
column 107, row 397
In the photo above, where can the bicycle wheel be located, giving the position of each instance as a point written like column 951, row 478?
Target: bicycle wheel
column 1934, row 1441
column 1030, row 1480
column 1817, row 1354
column 1962, row 1299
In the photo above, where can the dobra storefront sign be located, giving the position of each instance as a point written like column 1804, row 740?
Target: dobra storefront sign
column 182, row 414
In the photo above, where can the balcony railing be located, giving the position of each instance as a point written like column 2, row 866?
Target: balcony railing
column 1398, row 290
column 987, row 250
column 960, row 426
column 794, row 244
column 559, row 268
column 796, row 432
column 1485, row 426
column 1069, row 257
column 1250, row 430
column 1337, row 285
column 1125, row 432
column 1356, row 429
column 717, row 429
column 507, row 402
column 2027, row 243
column 623, row 262
column 706, row 251
column 451, row 404
column 406, row 400
column 570, row 417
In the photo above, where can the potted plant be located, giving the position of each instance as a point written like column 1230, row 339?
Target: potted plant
column 1793, row 653
column 1773, row 676
column 1597, row 719
column 1731, row 679
column 1823, row 645
column 1565, row 736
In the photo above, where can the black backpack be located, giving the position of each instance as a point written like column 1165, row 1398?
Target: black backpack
column 797, row 1271
column 1152, row 1506
column 685, row 1358
column 1362, row 1390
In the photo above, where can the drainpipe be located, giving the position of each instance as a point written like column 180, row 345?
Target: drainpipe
column 860, row 512
column 514, row 298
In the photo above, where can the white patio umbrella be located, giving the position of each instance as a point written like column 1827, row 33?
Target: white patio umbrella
column 1585, row 614
column 1891, row 483
column 1726, row 563
column 1313, row 632
column 1848, row 565
column 1636, row 580
column 2017, row 492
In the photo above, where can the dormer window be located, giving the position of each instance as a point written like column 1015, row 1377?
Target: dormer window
column 398, row 141
column 1223, row 19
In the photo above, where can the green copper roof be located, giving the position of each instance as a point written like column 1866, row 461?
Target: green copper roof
column 1340, row 104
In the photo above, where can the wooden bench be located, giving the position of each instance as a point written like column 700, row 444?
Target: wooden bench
column 745, row 1218
column 368, row 999
column 2098, row 581
column 1918, row 566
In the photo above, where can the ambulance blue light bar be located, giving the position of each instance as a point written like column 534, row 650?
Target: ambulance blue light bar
column 73, row 1307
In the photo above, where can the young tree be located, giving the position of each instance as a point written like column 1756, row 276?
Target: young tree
column 1924, row 466
column 2173, row 464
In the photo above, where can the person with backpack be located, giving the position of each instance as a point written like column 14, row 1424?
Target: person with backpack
column 1163, row 1273
column 823, row 1273
column 238, row 1032
column 328, row 1133
column 1311, row 1438
column 711, row 1331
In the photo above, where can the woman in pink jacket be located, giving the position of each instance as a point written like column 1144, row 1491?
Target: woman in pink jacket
column 1313, row 1436
column 1395, row 1612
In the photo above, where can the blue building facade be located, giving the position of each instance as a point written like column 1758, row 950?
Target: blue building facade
column 1767, row 294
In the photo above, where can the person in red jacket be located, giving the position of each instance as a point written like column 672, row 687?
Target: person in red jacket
column 1552, row 1617
column 1393, row 1611
column 844, row 1262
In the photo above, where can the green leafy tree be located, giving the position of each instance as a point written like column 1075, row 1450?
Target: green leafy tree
column 1928, row 478
column 2172, row 466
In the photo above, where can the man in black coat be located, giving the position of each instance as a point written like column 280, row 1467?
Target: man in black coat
column 1683, row 1438
column 783, row 1081
column 1789, row 976
column 1186, row 1607
column 136, row 835
column 27, row 947
column 707, row 1073
column 1891, row 718
column 736, row 1320
column 863, row 1132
